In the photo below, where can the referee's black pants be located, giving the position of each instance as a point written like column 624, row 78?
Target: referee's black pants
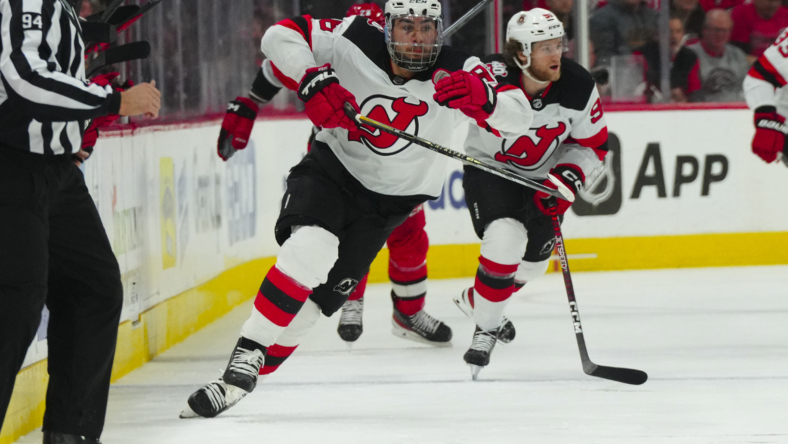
column 54, row 250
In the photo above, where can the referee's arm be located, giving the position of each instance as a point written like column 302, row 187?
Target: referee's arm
column 28, row 68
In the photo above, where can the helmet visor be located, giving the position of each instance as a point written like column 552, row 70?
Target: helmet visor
column 414, row 41
column 549, row 48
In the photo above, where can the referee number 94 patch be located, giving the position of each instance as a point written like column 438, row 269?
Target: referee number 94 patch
column 31, row 20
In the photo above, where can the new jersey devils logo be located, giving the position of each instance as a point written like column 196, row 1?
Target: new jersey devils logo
column 396, row 112
column 529, row 155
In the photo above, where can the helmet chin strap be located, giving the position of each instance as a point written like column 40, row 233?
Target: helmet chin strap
column 524, row 68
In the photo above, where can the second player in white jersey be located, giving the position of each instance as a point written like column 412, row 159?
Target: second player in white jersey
column 766, row 95
column 567, row 138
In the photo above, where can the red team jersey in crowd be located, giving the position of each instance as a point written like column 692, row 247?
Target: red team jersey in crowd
column 568, row 125
column 355, row 47
column 755, row 32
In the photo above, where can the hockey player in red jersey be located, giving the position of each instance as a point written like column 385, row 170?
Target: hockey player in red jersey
column 767, row 75
column 356, row 184
column 568, row 139
column 408, row 243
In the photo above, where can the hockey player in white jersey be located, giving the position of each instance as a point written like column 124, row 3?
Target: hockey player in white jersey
column 356, row 184
column 568, row 139
column 762, row 90
column 407, row 245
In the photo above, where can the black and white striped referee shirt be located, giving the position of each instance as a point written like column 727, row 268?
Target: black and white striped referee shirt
column 44, row 99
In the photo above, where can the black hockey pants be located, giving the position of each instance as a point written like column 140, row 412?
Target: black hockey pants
column 54, row 250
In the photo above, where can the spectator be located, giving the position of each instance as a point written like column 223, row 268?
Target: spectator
column 691, row 14
column 757, row 25
column 727, row 5
column 621, row 26
column 722, row 66
column 684, row 78
column 563, row 11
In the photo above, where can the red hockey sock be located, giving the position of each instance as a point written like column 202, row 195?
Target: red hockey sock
column 358, row 293
column 274, row 357
column 494, row 281
column 280, row 297
column 408, row 306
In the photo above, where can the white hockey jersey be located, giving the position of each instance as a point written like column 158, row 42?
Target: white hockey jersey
column 356, row 49
column 764, row 82
column 568, row 125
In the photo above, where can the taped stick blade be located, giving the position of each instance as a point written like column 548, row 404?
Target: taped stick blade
column 566, row 193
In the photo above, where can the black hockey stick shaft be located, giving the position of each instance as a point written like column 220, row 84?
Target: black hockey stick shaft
column 473, row 12
column 567, row 194
column 119, row 54
column 625, row 375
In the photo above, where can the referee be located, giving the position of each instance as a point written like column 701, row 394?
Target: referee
column 53, row 247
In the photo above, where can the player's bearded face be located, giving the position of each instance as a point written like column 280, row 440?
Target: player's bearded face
column 415, row 38
column 546, row 60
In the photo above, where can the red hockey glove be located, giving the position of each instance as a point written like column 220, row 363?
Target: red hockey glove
column 325, row 98
column 91, row 134
column 569, row 175
column 468, row 93
column 769, row 133
column 236, row 127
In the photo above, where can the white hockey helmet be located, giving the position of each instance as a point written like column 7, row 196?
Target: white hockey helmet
column 529, row 27
column 422, row 55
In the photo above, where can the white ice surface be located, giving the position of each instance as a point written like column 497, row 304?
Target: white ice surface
column 713, row 341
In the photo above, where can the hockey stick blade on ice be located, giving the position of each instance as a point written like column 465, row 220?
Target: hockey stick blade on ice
column 473, row 12
column 119, row 54
column 562, row 192
column 625, row 375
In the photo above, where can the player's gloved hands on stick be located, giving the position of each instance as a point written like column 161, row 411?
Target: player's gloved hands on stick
column 236, row 126
column 570, row 176
column 325, row 98
column 466, row 92
column 769, row 133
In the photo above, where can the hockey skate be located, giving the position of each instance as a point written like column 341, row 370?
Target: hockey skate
column 420, row 327
column 350, row 327
column 505, row 334
column 67, row 438
column 239, row 379
column 478, row 356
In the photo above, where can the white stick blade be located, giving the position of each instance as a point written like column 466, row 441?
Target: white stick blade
column 563, row 189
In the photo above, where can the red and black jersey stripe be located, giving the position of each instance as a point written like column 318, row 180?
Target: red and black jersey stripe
column 764, row 70
column 302, row 25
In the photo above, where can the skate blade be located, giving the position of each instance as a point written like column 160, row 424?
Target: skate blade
column 475, row 369
column 465, row 308
column 398, row 331
column 188, row 413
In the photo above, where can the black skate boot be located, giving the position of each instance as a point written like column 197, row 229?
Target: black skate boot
column 350, row 327
column 478, row 356
column 505, row 334
column 420, row 327
column 239, row 379
column 67, row 438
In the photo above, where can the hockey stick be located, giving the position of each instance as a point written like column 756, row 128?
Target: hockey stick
column 119, row 54
column 625, row 375
column 454, row 27
column 124, row 22
column 562, row 192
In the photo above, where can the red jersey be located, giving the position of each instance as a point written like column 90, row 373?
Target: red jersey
column 755, row 32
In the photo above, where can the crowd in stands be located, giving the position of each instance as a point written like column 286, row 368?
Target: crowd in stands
column 712, row 44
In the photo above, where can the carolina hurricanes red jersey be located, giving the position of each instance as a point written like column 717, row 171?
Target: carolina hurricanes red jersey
column 767, row 76
column 355, row 47
column 568, row 125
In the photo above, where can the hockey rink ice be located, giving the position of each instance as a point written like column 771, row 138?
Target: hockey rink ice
column 714, row 342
